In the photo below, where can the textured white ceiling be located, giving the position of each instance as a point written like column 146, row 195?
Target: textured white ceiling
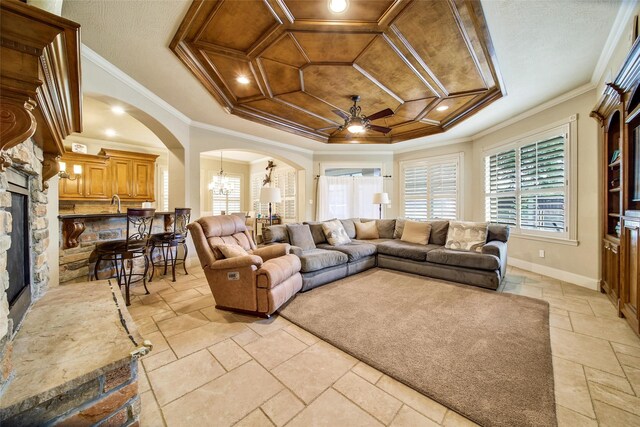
column 544, row 49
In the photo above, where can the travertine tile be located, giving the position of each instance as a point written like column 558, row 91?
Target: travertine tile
column 185, row 322
column 282, row 407
column 226, row 399
column 312, row 371
column 255, row 419
column 559, row 311
column 603, row 308
column 604, row 378
column 193, row 304
column 627, row 360
column 182, row 376
column 526, row 290
column 571, row 387
column 143, row 381
column 164, row 316
column 204, row 290
column 150, row 415
column 609, row 416
column 219, row 316
column 245, row 337
column 369, row 397
column 575, row 305
column 626, row 349
column 585, row 350
column 332, row 409
column 367, row 372
column 203, row 336
column 616, row 330
column 181, row 295
column 571, row 290
column 408, row 417
column 146, row 325
column 150, row 299
column 633, row 375
column 229, row 354
column 155, row 360
column 417, row 401
column 615, row 398
column 569, row 418
column 267, row 326
column 158, row 341
column 275, row 348
column 561, row 322
column 141, row 311
column 453, row 419
column 301, row 334
column 552, row 292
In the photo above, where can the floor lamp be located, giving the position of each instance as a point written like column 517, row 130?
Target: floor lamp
column 270, row 195
column 381, row 199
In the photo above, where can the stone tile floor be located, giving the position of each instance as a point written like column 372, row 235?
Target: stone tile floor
column 210, row 367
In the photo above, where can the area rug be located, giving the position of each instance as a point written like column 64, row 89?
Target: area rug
column 483, row 354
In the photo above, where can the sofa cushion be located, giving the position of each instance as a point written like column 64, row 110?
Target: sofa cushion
column 401, row 249
column 275, row 234
column 439, row 230
column 335, row 233
column 385, row 227
column 355, row 251
column 300, row 235
column 372, row 241
column 316, row 232
column 399, row 228
column 317, row 259
column 498, row 232
column 349, row 226
column 416, row 232
column 464, row 259
column 467, row 236
column 367, row 231
column 231, row 251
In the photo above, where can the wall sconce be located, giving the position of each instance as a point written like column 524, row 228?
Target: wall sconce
column 77, row 171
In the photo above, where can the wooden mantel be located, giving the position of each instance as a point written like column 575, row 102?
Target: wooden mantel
column 40, row 82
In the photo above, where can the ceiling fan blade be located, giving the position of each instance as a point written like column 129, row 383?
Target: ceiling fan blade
column 380, row 114
column 380, row 129
column 342, row 114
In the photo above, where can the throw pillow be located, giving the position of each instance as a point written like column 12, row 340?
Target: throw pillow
column 399, row 228
column 366, row 230
column 300, row 235
column 335, row 233
column 232, row 251
column 467, row 236
column 416, row 232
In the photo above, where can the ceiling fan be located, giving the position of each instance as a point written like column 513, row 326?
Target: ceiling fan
column 359, row 123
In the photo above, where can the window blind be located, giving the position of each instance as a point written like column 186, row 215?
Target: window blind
column 284, row 178
column 231, row 201
column 430, row 189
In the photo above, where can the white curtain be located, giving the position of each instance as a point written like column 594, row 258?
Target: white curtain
column 347, row 197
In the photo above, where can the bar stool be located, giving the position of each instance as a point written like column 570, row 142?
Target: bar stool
column 169, row 242
column 139, row 223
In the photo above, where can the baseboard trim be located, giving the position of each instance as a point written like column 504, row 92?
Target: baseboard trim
column 565, row 276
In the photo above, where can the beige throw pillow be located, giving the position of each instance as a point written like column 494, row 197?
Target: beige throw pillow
column 367, row 230
column 467, row 236
column 416, row 232
column 232, row 251
column 335, row 233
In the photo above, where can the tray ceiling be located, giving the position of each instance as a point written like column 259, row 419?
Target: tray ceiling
column 302, row 61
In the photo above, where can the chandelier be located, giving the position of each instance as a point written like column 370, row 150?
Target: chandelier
column 219, row 184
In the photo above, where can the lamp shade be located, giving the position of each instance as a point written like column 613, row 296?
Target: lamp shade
column 381, row 199
column 270, row 195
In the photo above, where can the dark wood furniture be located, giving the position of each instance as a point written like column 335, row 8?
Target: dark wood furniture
column 618, row 112
column 123, row 253
column 169, row 242
column 284, row 63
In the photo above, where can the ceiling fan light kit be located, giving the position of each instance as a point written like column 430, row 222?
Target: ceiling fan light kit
column 355, row 122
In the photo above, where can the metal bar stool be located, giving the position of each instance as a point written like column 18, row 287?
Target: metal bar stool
column 121, row 252
column 169, row 242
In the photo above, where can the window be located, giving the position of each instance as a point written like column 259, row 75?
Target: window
column 431, row 188
column 527, row 184
column 284, row 178
column 231, row 201
column 348, row 196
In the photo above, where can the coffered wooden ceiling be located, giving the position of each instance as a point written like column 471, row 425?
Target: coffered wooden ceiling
column 303, row 61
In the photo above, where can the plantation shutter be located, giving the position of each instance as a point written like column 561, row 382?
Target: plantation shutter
column 431, row 189
column 443, row 190
column 228, row 202
column 416, row 191
column 500, row 183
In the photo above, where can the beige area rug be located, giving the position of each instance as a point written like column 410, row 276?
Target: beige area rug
column 483, row 354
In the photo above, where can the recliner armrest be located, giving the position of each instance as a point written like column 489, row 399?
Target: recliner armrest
column 237, row 262
column 272, row 251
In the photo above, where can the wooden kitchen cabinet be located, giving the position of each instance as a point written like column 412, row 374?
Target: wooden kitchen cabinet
column 92, row 184
column 133, row 174
column 629, row 296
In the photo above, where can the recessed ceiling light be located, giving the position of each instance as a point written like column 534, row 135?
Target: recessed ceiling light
column 116, row 109
column 110, row 132
column 338, row 6
column 243, row 80
column 442, row 108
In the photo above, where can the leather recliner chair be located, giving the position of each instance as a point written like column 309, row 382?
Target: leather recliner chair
column 258, row 283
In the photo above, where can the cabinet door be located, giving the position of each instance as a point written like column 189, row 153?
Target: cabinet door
column 70, row 189
column 122, row 177
column 631, row 272
column 97, row 184
column 143, row 180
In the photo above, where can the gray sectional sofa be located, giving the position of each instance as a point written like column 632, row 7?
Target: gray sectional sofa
column 323, row 263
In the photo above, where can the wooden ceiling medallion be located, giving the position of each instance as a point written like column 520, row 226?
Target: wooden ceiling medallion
column 289, row 63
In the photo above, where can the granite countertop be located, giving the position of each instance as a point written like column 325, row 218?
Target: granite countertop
column 102, row 215
column 70, row 336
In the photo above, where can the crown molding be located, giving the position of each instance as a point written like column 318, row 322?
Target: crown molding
column 429, row 145
column 535, row 110
column 352, row 153
column 613, row 40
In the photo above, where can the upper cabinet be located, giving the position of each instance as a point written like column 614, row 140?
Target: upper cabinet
column 129, row 175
